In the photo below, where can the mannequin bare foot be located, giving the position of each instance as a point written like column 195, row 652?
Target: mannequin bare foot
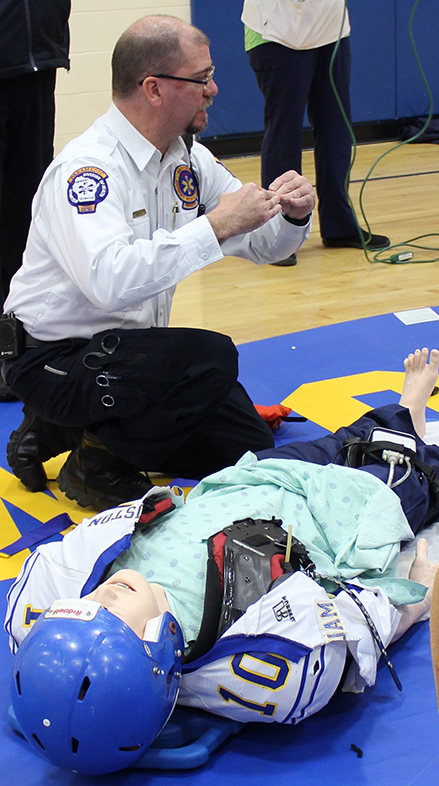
column 420, row 379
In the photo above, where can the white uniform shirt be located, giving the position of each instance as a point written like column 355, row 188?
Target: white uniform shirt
column 298, row 24
column 115, row 228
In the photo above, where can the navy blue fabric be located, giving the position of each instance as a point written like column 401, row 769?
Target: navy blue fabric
column 290, row 80
column 233, row 645
column 414, row 492
column 47, row 530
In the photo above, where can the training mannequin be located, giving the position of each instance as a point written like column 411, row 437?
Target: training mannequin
column 283, row 657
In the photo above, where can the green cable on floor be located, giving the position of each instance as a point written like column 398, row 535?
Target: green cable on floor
column 404, row 256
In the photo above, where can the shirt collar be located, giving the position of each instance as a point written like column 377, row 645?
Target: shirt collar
column 138, row 147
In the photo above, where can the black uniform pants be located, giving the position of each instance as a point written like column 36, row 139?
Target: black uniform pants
column 291, row 80
column 27, row 116
column 162, row 399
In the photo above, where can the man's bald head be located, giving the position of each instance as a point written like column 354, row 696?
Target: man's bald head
column 152, row 45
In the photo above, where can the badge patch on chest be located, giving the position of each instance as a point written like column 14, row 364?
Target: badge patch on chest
column 86, row 188
column 186, row 187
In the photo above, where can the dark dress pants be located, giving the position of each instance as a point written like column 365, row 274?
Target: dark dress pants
column 291, row 80
column 165, row 399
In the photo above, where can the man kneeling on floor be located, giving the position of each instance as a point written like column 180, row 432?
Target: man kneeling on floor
column 247, row 600
column 123, row 214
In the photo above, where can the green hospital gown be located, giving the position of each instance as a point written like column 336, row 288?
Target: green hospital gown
column 350, row 522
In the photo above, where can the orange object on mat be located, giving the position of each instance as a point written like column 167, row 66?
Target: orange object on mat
column 274, row 414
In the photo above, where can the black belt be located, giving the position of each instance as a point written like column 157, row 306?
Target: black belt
column 30, row 342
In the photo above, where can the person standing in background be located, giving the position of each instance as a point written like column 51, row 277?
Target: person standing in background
column 290, row 44
column 34, row 42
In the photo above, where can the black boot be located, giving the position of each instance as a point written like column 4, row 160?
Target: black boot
column 36, row 441
column 94, row 476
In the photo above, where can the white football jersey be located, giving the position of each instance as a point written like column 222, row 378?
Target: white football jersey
column 284, row 658
column 72, row 567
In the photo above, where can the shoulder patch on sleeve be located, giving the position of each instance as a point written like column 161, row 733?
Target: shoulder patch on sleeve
column 86, row 188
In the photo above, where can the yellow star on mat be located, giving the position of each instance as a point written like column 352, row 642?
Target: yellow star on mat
column 39, row 507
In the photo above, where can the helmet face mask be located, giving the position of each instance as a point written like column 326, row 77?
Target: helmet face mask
column 88, row 693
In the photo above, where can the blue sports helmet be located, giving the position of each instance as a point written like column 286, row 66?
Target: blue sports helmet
column 88, row 693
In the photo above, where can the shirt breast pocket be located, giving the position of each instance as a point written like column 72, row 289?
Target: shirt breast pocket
column 140, row 227
column 179, row 218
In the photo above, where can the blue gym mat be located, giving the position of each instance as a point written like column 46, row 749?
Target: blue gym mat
column 330, row 375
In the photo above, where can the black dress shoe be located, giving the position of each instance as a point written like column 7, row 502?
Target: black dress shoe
column 36, row 441
column 354, row 241
column 288, row 262
column 94, row 476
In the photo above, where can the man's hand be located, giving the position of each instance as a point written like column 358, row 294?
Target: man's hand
column 242, row 211
column 296, row 195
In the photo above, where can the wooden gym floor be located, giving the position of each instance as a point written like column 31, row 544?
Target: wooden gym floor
column 250, row 303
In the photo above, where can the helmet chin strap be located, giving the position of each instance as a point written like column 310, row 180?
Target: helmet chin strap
column 152, row 629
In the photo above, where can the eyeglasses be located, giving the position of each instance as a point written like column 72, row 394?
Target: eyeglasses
column 204, row 82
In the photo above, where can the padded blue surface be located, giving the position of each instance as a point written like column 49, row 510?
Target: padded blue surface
column 272, row 369
column 398, row 733
column 187, row 741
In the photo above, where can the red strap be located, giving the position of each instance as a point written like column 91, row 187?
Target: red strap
column 218, row 553
column 160, row 508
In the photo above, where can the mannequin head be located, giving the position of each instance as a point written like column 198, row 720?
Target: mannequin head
column 130, row 597
column 97, row 677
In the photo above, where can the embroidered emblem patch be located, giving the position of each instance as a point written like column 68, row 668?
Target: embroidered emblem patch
column 30, row 615
column 86, row 188
column 186, row 187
